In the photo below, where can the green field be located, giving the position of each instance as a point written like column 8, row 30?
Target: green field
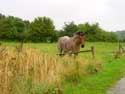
column 103, row 49
column 95, row 82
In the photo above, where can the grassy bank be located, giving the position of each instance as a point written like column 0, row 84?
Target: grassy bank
column 98, row 83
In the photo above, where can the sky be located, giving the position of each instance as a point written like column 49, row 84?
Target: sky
column 108, row 13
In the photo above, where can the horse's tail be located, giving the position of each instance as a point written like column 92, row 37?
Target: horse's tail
column 59, row 45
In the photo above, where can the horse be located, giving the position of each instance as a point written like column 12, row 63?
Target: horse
column 71, row 45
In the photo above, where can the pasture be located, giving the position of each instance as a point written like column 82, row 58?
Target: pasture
column 38, row 70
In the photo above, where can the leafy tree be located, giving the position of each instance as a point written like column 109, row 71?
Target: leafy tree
column 10, row 27
column 41, row 29
column 69, row 29
column 95, row 33
column 2, row 16
column 121, row 35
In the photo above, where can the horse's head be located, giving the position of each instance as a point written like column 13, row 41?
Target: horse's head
column 81, row 37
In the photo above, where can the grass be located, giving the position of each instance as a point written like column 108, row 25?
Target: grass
column 37, row 70
column 100, row 82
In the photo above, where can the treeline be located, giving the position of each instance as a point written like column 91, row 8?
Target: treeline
column 42, row 29
column 121, row 35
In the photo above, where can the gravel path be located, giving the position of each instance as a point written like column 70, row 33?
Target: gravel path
column 119, row 88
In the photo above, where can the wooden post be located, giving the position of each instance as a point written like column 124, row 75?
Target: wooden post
column 93, row 52
column 120, row 48
column 119, row 52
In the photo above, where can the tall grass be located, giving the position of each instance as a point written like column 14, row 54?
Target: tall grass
column 32, row 72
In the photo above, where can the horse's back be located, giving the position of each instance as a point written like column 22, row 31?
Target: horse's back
column 66, row 37
column 63, row 41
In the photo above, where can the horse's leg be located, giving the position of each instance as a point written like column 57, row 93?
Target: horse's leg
column 70, row 53
column 60, row 52
column 75, row 55
column 64, row 53
column 76, row 51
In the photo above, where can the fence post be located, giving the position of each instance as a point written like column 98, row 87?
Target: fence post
column 93, row 51
column 121, row 50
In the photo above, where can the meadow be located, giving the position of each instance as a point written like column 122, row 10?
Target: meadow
column 36, row 69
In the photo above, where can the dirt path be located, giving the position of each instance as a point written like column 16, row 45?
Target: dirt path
column 119, row 88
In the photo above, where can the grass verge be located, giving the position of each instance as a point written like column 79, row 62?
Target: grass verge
column 98, row 83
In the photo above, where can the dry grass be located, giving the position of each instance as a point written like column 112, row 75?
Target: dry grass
column 34, row 67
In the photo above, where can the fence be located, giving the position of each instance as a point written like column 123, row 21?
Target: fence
column 92, row 50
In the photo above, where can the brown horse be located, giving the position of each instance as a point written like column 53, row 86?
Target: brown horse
column 71, row 45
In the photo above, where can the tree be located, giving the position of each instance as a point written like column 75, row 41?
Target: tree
column 69, row 28
column 11, row 27
column 2, row 16
column 95, row 33
column 41, row 29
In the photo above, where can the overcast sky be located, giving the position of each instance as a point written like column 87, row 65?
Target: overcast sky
column 110, row 14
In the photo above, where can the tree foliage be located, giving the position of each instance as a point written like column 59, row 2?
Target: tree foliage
column 11, row 27
column 121, row 35
column 42, row 29
column 95, row 33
